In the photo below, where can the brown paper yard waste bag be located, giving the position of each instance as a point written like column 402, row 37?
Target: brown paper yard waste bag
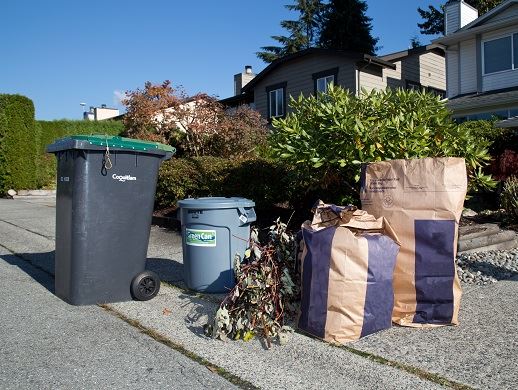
column 422, row 199
column 348, row 259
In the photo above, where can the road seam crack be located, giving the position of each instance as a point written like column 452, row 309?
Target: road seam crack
column 28, row 230
column 232, row 378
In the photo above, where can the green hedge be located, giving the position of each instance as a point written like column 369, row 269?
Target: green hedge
column 53, row 130
column 24, row 164
column 18, row 143
column 258, row 179
column 266, row 182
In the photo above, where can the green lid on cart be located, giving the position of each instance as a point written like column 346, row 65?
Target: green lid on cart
column 96, row 142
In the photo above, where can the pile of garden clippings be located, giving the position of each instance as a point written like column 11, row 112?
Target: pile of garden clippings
column 266, row 291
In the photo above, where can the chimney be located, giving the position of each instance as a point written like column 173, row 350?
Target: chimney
column 242, row 79
column 457, row 14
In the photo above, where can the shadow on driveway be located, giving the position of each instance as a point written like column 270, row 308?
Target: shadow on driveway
column 39, row 266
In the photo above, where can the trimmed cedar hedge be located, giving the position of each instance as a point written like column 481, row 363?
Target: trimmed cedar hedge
column 18, row 143
column 23, row 161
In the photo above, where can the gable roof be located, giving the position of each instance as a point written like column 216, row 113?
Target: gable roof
column 361, row 57
column 479, row 25
column 488, row 15
column 413, row 51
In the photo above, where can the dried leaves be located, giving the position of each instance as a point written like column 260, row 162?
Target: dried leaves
column 265, row 292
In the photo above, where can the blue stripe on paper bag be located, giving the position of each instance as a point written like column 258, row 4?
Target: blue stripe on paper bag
column 434, row 271
column 315, row 280
column 379, row 298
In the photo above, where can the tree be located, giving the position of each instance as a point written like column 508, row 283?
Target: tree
column 345, row 26
column 196, row 126
column 149, row 111
column 415, row 42
column 434, row 18
column 303, row 32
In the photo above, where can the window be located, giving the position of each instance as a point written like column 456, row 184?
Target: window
column 323, row 79
column 489, row 115
column 323, row 82
column 500, row 54
column 276, row 102
column 276, row 95
column 413, row 85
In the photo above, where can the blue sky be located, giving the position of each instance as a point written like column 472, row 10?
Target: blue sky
column 60, row 53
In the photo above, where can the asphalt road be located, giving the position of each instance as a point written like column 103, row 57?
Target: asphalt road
column 47, row 344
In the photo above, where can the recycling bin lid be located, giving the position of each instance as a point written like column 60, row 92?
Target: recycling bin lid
column 100, row 142
column 215, row 203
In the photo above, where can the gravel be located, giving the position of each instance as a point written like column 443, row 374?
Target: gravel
column 485, row 268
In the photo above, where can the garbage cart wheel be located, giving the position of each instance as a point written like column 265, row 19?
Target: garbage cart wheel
column 145, row 286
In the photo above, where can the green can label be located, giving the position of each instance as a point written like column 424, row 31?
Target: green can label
column 197, row 237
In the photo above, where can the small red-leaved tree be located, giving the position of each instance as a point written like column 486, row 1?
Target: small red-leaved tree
column 197, row 126
column 149, row 112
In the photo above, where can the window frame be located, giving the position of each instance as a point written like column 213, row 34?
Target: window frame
column 333, row 72
column 514, row 66
column 477, row 115
column 272, row 88
column 412, row 82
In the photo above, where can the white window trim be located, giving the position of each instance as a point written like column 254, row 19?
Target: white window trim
column 513, row 65
column 279, row 93
column 332, row 76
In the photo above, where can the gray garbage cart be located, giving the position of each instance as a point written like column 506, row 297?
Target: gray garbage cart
column 213, row 231
column 105, row 194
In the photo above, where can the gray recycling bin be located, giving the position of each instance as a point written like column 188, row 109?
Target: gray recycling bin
column 213, row 231
column 105, row 194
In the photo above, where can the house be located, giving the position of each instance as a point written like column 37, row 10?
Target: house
column 481, row 60
column 100, row 113
column 312, row 70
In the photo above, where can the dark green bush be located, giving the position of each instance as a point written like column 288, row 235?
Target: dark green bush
column 503, row 147
column 267, row 182
column 18, row 143
column 499, row 138
column 181, row 178
column 256, row 179
column 53, row 130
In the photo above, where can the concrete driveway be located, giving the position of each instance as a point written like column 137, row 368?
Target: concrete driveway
column 48, row 343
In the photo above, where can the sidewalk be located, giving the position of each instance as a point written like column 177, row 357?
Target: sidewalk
column 480, row 353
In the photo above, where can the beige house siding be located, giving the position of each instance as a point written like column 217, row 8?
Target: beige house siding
column 371, row 78
column 452, row 69
column 298, row 74
column 468, row 66
column 432, row 68
column 424, row 67
column 428, row 69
